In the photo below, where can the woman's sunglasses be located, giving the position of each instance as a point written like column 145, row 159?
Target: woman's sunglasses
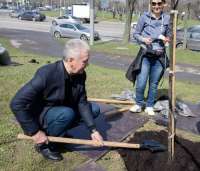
column 155, row 3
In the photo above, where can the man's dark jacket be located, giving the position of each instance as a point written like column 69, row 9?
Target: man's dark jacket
column 45, row 90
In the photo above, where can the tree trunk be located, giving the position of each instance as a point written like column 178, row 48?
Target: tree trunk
column 127, row 28
column 174, row 4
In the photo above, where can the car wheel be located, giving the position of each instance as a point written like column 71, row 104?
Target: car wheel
column 179, row 46
column 84, row 37
column 57, row 35
column 54, row 23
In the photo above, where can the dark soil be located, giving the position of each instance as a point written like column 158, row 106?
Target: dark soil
column 186, row 154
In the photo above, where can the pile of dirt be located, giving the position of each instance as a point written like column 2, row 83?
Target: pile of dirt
column 186, row 154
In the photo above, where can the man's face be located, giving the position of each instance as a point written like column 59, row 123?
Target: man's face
column 157, row 6
column 79, row 64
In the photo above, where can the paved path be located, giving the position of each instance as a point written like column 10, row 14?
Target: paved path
column 43, row 43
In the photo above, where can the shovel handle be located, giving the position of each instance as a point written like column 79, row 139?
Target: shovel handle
column 84, row 142
column 127, row 102
column 112, row 112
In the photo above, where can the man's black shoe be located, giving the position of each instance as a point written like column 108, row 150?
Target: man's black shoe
column 47, row 153
column 59, row 147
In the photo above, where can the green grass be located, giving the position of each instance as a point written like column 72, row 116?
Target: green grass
column 188, row 57
column 189, row 23
column 100, row 16
column 101, row 83
column 116, row 48
column 131, row 49
column 51, row 13
column 108, row 16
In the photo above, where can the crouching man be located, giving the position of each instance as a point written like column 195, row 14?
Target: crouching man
column 55, row 100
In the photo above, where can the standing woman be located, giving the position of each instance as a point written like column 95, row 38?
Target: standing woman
column 152, row 33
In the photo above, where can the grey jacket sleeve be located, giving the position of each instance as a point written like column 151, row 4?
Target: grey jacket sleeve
column 22, row 101
column 139, row 28
column 168, row 31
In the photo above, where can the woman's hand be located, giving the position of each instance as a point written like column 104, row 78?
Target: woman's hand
column 147, row 40
column 164, row 39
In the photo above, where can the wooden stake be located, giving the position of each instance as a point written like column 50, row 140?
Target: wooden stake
column 172, row 51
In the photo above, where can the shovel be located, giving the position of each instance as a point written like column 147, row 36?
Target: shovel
column 151, row 145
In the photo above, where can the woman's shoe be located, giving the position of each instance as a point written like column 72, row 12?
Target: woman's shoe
column 135, row 109
column 149, row 111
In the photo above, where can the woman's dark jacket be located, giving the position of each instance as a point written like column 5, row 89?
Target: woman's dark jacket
column 135, row 66
column 47, row 89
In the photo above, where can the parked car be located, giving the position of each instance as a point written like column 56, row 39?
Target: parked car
column 32, row 16
column 66, row 18
column 133, row 25
column 72, row 30
column 15, row 13
column 193, row 38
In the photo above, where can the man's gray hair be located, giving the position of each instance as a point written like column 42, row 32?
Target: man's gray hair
column 73, row 48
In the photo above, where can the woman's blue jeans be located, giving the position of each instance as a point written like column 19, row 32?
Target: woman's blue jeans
column 61, row 118
column 151, row 69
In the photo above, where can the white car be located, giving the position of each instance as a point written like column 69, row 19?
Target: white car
column 66, row 19
column 133, row 25
column 72, row 30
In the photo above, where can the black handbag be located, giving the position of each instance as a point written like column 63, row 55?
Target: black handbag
column 152, row 49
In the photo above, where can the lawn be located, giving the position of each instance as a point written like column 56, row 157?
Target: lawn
column 101, row 83
column 51, row 13
column 116, row 48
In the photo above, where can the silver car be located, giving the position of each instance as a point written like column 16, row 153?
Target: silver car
column 72, row 30
column 193, row 38
column 15, row 13
column 64, row 19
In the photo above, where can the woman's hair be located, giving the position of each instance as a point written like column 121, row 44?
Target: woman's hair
column 74, row 47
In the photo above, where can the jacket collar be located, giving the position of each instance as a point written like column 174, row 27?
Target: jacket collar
column 149, row 14
column 65, row 73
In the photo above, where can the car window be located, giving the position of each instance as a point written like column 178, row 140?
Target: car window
column 80, row 27
column 196, row 35
column 74, row 17
column 68, row 26
column 194, row 29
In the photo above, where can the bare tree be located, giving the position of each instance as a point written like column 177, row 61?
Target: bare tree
column 196, row 9
column 174, row 4
column 129, row 12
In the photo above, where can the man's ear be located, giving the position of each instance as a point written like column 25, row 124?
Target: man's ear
column 70, row 59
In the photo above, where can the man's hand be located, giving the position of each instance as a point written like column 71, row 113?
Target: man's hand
column 97, row 138
column 147, row 41
column 40, row 137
